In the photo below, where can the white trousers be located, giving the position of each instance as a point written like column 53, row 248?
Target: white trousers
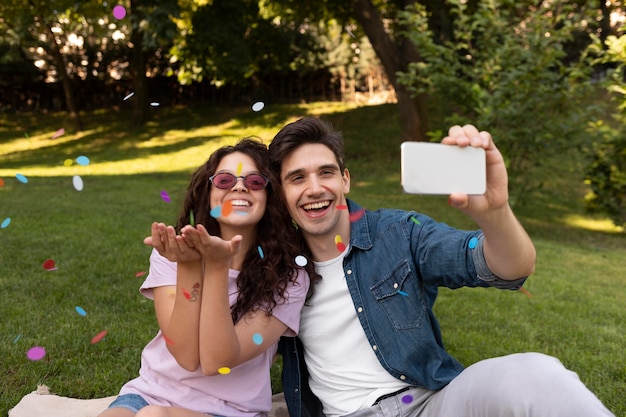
column 519, row 385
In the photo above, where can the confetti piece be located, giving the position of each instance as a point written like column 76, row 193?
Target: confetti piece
column 301, row 260
column 186, row 294
column 58, row 133
column 140, row 273
column 239, row 168
column 258, row 106
column 341, row 247
column 415, row 220
column 77, row 181
column 19, row 336
column 36, row 353
column 525, row 291
column 5, row 223
column 216, row 212
column 154, row 104
column 242, row 213
column 1, row 182
column 49, row 265
column 98, row 337
column 165, row 196
column 342, row 207
column 81, row 311
column 82, row 160
column 227, row 208
column 294, row 224
column 168, row 340
column 260, row 252
column 224, row 370
column 407, row 399
column 68, row 162
column 119, row 12
column 257, row 339
column 128, row 96
column 21, row 178
column 354, row 216
column 472, row 243
column 338, row 239
column 403, row 293
column 191, row 219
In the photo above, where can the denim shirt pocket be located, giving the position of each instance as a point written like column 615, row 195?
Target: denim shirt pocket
column 400, row 297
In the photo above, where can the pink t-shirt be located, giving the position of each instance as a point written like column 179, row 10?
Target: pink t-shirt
column 246, row 391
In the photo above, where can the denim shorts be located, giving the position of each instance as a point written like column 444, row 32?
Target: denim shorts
column 133, row 402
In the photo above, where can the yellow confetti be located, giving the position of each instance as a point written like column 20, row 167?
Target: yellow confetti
column 239, row 168
column 338, row 239
column 224, row 370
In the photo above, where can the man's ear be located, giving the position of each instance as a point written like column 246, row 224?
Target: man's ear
column 346, row 181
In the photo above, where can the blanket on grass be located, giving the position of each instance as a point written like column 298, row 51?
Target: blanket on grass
column 41, row 403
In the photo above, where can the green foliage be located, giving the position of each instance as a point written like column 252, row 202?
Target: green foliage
column 506, row 70
column 606, row 172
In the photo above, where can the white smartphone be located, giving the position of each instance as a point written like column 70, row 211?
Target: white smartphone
column 435, row 168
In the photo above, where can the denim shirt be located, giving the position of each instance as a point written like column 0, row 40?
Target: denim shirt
column 394, row 266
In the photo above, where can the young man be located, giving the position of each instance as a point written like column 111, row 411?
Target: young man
column 369, row 342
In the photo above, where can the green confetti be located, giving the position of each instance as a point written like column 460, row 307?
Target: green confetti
column 415, row 220
column 191, row 219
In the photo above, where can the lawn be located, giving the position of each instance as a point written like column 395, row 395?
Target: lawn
column 573, row 308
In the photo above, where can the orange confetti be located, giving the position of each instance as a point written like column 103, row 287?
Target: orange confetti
column 525, row 291
column 1, row 182
column 98, row 337
column 227, row 208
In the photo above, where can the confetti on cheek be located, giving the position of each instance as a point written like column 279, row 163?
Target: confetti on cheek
column 415, row 221
column 98, row 337
column 58, row 133
column 342, row 207
column 216, row 212
column 81, row 311
column 257, row 339
column 258, row 106
column 5, row 223
column 36, row 353
column 68, row 162
column 227, row 208
column 407, row 399
column 165, row 196
column 21, row 178
column 301, row 260
column 224, row 370
column 119, row 12
column 356, row 215
column 140, row 273
column 261, row 254
column 77, row 181
column 340, row 245
column 82, row 160
column 472, row 243
column 49, row 265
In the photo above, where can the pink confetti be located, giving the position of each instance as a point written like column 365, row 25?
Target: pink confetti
column 58, row 133
column 119, row 12
column 140, row 273
column 36, row 353
column 98, row 337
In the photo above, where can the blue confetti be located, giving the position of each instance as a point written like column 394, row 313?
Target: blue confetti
column 80, row 311
column 82, row 160
column 472, row 242
column 260, row 252
column 216, row 212
column 21, row 178
column 257, row 339
column 5, row 223
column 403, row 293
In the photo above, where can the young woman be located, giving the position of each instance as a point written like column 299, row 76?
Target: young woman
column 226, row 286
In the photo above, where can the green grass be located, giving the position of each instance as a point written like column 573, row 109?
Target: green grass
column 575, row 311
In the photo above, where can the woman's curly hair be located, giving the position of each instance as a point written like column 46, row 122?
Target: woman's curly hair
column 262, row 278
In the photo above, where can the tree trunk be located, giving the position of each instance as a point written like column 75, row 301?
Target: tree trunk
column 395, row 55
column 66, row 82
column 138, row 67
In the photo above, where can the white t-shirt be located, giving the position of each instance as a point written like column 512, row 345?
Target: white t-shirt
column 244, row 392
column 345, row 374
